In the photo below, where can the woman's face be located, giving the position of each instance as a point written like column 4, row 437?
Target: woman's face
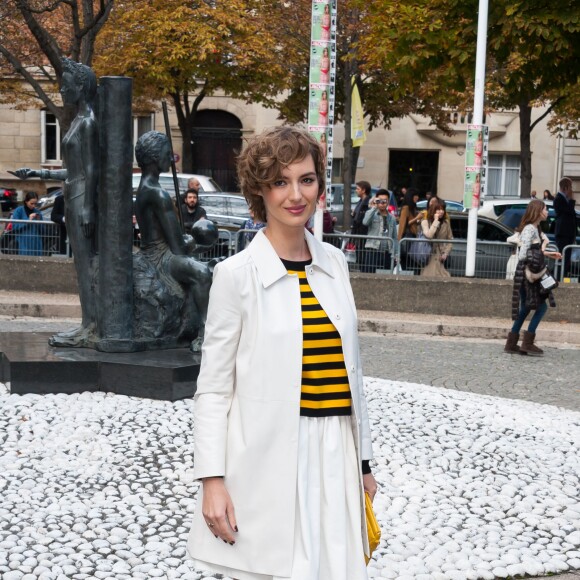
column 31, row 203
column 291, row 199
column 69, row 90
column 544, row 213
column 415, row 198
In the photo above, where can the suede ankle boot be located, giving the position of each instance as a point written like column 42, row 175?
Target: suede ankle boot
column 528, row 345
column 511, row 345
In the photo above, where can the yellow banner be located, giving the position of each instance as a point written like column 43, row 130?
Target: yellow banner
column 357, row 130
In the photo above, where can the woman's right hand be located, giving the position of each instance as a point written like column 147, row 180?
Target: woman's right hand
column 218, row 510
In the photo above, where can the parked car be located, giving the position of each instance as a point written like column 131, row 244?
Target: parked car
column 336, row 202
column 47, row 201
column 493, row 208
column 512, row 218
column 207, row 184
column 449, row 204
column 8, row 199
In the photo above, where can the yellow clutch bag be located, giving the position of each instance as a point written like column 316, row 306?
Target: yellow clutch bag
column 373, row 530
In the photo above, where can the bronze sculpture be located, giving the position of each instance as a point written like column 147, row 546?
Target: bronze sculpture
column 162, row 244
column 80, row 150
column 152, row 299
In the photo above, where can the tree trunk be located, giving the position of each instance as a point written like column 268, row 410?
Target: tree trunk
column 525, row 115
column 347, row 172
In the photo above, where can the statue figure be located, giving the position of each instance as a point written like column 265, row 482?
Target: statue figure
column 80, row 152
column 165, row 247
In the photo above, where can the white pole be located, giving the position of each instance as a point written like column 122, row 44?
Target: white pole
column 477, row 120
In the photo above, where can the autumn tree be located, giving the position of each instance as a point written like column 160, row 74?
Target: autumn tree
column 188, row 51
column 533, row 52
column 379, row 87
column 34, row 36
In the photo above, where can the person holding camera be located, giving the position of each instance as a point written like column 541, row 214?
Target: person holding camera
column 379, row 223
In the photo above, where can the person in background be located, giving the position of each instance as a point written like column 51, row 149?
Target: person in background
column 527, row 295
column 436, row 227
column 252, row 224
column 379, row 223
column 547, row 195
column 534, row 194
column 57, row 216
column 565, row 230
column 192, row 210
column 193, row 184
column 282, row 437
column 410, row 217
column 363, row 190
column 27, row 234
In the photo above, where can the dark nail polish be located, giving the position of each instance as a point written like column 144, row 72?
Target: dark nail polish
column 232, row 543
column 225, row 541
column 236, row 528
column 215, row 536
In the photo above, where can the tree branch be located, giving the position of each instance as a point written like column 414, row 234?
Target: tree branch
column 29, row 78
column 547, row 112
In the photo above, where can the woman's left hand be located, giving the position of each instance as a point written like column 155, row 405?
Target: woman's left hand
column 554, row 255
column 370, row 485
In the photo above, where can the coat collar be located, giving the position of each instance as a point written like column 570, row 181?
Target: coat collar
column 270, row 267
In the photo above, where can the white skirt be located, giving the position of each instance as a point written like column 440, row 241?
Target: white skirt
column 327, row 535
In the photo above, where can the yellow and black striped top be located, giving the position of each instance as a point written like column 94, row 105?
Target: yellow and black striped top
column 325, row 390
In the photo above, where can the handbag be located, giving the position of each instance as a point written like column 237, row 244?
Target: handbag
column 420, row 250
column 547, row 281
column 373, row 529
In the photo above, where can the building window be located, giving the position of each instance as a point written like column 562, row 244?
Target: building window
column 50, row 138
column 503, row 175
column 141, row 125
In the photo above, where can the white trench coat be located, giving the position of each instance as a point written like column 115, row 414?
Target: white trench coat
column 247, row 404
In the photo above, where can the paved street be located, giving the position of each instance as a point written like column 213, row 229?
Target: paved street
column 477, row 366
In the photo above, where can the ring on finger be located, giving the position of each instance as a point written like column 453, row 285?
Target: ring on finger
column 209, row 524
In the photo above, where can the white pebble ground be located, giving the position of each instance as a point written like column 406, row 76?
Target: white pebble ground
column 99, row 486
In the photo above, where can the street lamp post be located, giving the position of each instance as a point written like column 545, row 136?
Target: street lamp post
column 477, row 120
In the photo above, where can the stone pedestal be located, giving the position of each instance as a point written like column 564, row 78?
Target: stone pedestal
column 31, row 366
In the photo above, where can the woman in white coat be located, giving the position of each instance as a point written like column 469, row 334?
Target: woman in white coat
column 282, row 438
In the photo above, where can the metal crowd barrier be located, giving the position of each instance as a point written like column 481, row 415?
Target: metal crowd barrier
column 491, row 258
column 571, row 258
column 359, row 258
column 31, row 238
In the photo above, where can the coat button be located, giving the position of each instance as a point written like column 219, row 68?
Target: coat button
column 311, row 271
column 338, row 317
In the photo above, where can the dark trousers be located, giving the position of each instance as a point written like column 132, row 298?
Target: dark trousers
column 562, row 243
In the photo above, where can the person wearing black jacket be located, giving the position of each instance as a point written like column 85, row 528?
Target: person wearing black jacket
column 363, row 190
column 57, row 216
column 192, row 211
column 565, row 231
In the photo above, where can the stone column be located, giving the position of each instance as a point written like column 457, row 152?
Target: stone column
column 115, row 208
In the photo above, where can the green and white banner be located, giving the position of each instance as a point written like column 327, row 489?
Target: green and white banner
column 322, row 80
column 476, row 147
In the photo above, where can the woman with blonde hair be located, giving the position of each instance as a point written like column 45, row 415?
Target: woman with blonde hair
column 282, row 438
column 527, row 291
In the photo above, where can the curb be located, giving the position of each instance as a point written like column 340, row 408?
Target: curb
column 450, row 329
column 41, row 310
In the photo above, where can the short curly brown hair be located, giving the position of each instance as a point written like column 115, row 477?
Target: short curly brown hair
column 265, row 156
